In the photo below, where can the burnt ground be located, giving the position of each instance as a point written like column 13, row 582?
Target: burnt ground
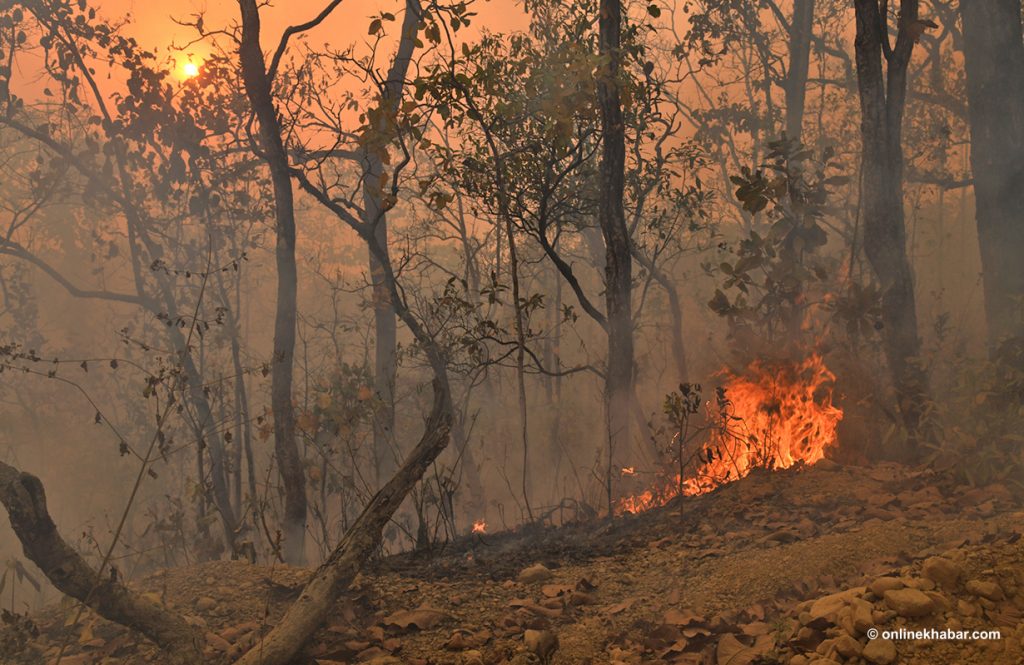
column 787, row 567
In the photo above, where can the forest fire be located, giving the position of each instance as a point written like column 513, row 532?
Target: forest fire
column 773, row 416
column 480, row 526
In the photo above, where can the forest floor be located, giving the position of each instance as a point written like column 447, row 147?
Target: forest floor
column 789, row 567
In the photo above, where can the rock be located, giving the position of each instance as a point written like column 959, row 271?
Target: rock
column 883, row 584
column 987, row 590
column 205, row 604
column 543, row 643
column 798, row 659
column 862, row 617
column 472, row 657
column 828, row 606
column 730, row 651
column 535, row 573
column 217, row 642
column 966, row 609
column 822, row 661
column 879, row 651
column 909, row 603
column 847, row 647
column 939, row 602
column 844, row 619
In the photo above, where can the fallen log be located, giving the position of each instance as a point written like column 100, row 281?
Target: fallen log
column 310, row 610
column 23, row 496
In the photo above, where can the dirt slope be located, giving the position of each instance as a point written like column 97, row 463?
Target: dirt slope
column 747, row 574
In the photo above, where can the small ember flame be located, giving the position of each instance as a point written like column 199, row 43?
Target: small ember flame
column 775, row 415
column 628, row 471
column 479, row 526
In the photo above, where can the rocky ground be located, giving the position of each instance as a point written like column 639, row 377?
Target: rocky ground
column 793, row 567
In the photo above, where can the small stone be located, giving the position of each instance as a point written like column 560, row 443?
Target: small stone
column 862, row 618
column 535, row 573
column 879, row 651
column 823, row 661
column 909, row 603
column 543, row 643
column 988, row 590
column 847, row 647
column 844, row 619
column 882, row 616
column 939, row 602
column 205, row 604
column 828, row 606
column 883, row 584
column 942, row 571
column 965, row 608
column 826, row 647
column 472, row 657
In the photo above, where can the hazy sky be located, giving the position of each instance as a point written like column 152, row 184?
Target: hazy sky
column 153, row 25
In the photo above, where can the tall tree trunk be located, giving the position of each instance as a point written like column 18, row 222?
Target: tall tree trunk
column 882, row 102
column 612, row 219
column 375, row 214
column 800, row 33
column 289, row 461
column 994, row 60
column 307, row 613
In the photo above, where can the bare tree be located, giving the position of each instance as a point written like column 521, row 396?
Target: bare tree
column 612, row 219
column 994, row 59
column 883, row 94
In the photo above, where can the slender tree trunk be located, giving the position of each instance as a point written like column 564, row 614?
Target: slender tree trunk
column 801, row 31
column 994, row 60
column 520, row 325
column 882, row 101
column 612, row 219
column 308, row 612
column 375, row 214
column 675, row 310
column 212, row 440
column 289, row 461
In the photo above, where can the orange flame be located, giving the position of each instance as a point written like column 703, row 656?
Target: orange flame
column 479, row 526
column 775, row 415
column 629, row 471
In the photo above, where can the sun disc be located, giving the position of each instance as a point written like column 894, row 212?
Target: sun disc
column 190, row 69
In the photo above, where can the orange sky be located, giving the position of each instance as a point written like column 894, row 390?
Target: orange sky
column 152, row 24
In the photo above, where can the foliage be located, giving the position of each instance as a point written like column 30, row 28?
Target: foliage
column 775, row 278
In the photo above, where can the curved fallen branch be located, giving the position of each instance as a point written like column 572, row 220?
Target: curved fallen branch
column 308, row 613
column 23, row 496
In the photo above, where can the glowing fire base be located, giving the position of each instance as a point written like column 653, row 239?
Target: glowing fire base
column 776, row 415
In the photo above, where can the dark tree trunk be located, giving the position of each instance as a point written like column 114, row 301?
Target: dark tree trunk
column 882, row 102
column 612, row 219
column 801, row 29
column 994, row 60
column 289, row 461
column 375, row 214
